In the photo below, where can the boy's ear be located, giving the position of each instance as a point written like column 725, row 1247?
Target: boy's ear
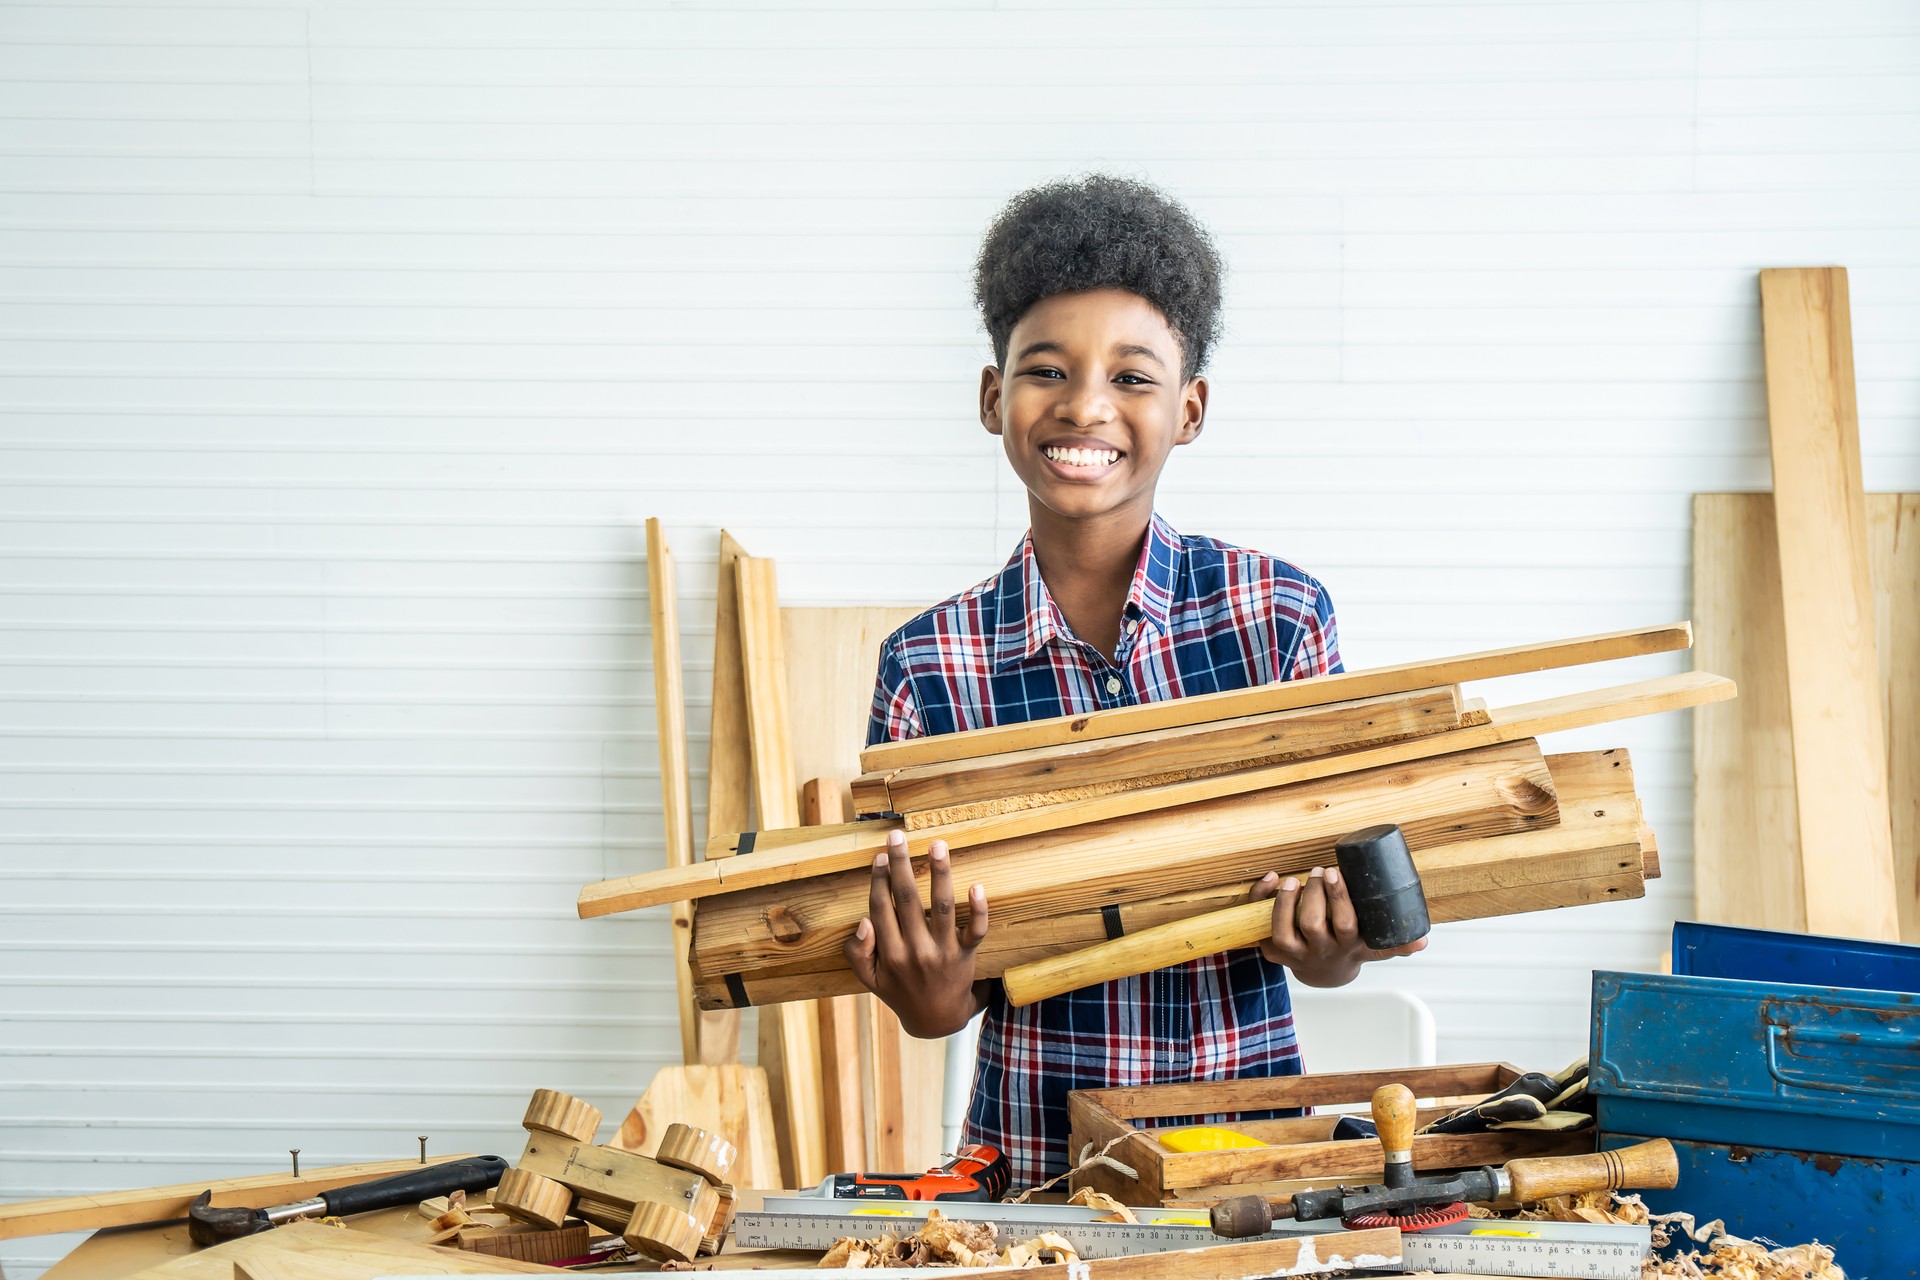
column 1193, row 410
column 990, row 398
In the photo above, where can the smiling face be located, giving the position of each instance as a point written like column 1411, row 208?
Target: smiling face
column 1090, row 405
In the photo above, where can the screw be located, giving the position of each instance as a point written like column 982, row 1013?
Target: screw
column 423, row 1148
column 295, row 1153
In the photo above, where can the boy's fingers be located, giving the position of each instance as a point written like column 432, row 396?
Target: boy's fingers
column 1265, row 887
column 1341, row 920
column 1286, row 934
column 1312, row 911
column 859, row 951
column 909, row 918
column 940, row 879
column 976, row 930
column 886, row 924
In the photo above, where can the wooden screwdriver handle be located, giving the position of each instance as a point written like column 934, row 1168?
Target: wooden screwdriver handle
column 1177, row 942
column 1394, row 1114
column 1647, row 1164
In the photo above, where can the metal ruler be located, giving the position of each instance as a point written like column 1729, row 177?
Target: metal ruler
column 1478, row 1246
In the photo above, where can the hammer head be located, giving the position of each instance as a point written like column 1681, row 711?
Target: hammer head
column 208, row 1225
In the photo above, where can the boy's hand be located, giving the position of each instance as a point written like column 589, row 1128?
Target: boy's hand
column 1315, row 932
column 919, row 962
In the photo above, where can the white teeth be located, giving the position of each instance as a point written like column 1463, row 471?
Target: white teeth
column 1077, row 457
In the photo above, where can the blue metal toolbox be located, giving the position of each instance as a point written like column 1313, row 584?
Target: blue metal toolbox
column 1786, row 1070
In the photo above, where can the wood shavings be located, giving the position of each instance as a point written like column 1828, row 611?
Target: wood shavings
column 1724, row 1257
column 948, row 1242
column 1088, row 1198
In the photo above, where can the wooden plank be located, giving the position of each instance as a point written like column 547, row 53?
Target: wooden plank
column 1251, row 1260
column 1489, row 791
column 310, row 1251
column 1839, row 740
column 1746, row 833
column 729, row 743
column 1893, row 550
column 832, row 655
column 957, row 791
column 670, row 723
column 839, row 851
column 156, row 1204
column 1085, row 727
column 842, row 1080
column 789, row 1034
column 1593, row 855
column 729, row 1100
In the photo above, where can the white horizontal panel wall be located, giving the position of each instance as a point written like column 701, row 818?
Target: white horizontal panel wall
column 344, row 349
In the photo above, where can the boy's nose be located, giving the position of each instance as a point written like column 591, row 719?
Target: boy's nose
column 1086, row 401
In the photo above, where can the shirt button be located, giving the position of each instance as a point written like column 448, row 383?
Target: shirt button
column 1113, row 684
column 1133, row 625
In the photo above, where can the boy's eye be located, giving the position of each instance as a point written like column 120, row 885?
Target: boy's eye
column 1135, row 379
column 1043, row 372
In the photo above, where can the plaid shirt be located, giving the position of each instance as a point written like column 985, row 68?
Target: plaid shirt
column 1201, row 617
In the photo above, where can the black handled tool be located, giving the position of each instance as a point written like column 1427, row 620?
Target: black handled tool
column 208, row 1225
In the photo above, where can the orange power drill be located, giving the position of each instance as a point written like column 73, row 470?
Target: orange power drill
column 975, row 1172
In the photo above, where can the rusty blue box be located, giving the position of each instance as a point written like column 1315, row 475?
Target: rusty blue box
column 1795, row 1107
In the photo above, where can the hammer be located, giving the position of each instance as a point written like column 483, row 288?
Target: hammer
column 208, row 1225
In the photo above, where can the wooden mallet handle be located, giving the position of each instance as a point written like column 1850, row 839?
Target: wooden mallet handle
column 1647, row 1164
column 1177, row 942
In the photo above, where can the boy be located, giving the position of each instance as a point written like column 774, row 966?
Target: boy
column 1102, row 298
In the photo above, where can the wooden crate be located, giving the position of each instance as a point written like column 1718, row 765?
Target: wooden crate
column 1301, row 1150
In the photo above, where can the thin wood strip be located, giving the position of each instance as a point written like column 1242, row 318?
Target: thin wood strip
column 1485, row 665
column 841, row 1077
column 1893, row 527
column 857, row 846
column 1833, row 688
column 942, row 794
column 1489, row 791
column 789, row 1035
column 156, row 1204
column 670, row 724
column 310, row 1251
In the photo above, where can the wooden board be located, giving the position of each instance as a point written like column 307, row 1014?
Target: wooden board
column 670, row 722
column 856, row 846
column 832, row 657
column 842, row 1074
column 155, row 1204
column 730, row 1100
column 956, row 791
column 309, row 1251
column 789, row 1034
column 729, row 763
column 1154, row 716
column 1490, row 791
column 1746, row 830
column 1839, row 739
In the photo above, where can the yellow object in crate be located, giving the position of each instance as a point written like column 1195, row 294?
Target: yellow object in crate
column 1207, row 1138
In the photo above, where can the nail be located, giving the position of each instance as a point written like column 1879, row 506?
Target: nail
column 1333, row 878
column 862, row 929
column 295, row 1153
column 939, row 854
column 423, row 1148
column 880, row 862
column 896, row 838
column 1316, row 871
column 1289, row 884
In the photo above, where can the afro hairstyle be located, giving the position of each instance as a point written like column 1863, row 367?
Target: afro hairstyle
column 1100, row 232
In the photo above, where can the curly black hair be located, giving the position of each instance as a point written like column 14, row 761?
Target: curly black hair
column 1100, row 232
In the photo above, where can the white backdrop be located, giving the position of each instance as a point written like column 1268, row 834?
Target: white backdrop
column 346, row 349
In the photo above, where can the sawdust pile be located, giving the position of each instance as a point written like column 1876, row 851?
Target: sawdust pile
column 943, row 1242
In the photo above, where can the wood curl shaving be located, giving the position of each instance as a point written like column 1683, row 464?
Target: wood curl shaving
column 946, row 1242
column 1722, row 1256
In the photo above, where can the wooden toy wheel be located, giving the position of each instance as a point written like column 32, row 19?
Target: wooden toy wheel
column 659, row 1232
column 561, row 1115
column 542, row 1202
column 697, row 1151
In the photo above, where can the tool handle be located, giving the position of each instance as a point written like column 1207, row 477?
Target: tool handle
column 476, row 1173
column 1647, row 1164
column 1394, row 1115
column 1173, row 943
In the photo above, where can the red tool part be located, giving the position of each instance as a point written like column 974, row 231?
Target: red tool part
column 1433, row 1215
column 976, row 1172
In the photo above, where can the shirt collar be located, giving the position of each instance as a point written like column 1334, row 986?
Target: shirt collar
column 1026, row 617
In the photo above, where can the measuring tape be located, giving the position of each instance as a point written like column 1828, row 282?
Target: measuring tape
column 1478, row 1246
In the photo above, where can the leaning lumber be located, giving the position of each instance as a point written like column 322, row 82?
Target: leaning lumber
column 1594, row 854
column 156, row 1204
column 670, row 724
column 1833, row 677
column 1489, row 791
column 956, row 791
column 838, row 849
column 1278, row 697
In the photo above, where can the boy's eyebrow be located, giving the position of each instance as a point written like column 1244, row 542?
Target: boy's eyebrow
column 1040, row 348
column 1119, row 348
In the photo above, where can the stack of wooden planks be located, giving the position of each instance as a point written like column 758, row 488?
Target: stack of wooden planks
column 1085, row 828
